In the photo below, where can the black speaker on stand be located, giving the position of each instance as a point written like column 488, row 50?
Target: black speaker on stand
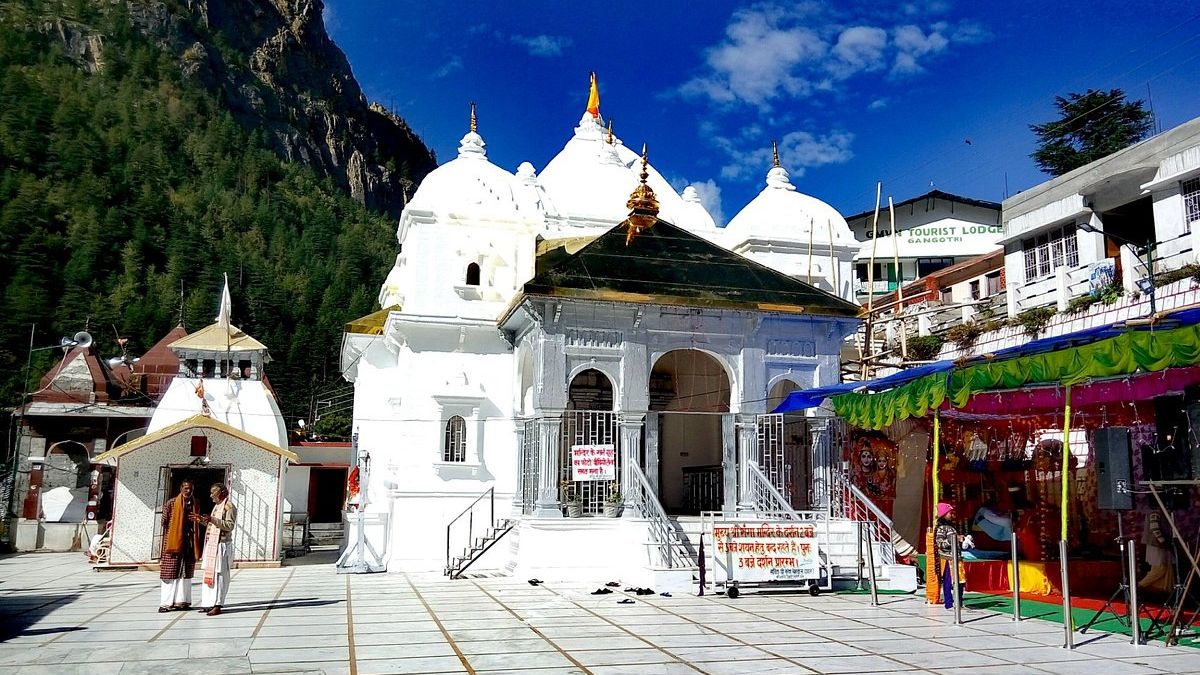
column 1114, row 492
column 1114, row 469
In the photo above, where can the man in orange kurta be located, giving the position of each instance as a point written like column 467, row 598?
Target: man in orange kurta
column 180, row 549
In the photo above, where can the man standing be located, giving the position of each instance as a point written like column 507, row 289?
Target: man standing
column 180, row 550
column 218, row 550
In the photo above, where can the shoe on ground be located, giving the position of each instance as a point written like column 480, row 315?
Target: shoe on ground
column 534, row 582
column 626, row 601
column 602, row 591
column 613, row 584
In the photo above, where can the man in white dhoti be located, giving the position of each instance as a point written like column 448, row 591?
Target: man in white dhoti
column 180, row 549
column 218, row 551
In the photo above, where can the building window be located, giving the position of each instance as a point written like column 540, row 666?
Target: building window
column 1191, row 199
column 1049, row 251
column 454, row 447
column 993, row 284
column 473, row 274
column 927, row 266
column 947, row 296
column 975, row 290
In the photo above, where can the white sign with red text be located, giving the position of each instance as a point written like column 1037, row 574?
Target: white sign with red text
column 594, row 462
column 766, row 551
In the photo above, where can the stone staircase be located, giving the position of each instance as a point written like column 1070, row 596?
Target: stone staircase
column 325, row 536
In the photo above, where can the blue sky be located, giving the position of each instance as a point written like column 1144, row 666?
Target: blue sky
column 909, row 93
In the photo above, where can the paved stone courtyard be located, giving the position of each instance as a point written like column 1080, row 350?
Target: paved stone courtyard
column 57, row 616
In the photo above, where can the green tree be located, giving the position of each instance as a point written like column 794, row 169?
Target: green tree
column 1090, row 125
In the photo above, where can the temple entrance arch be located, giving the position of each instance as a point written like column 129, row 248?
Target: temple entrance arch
column 689, row 399
column 589, row 426
column 785, row 448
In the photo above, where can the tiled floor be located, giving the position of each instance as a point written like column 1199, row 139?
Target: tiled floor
column 58, row 617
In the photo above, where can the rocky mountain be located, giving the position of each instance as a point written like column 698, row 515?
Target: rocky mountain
column 273, row 65
column 150, row 147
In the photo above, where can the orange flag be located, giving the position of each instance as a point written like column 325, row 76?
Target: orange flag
column 593, row 104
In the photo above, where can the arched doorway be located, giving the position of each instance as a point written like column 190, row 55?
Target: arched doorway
column 690, row 392
column 785, row 448
column 590, row 456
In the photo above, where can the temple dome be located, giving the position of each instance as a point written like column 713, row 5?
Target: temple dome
column 470, row 186
column 780, row 212
column 590, row 178
column 693, row 216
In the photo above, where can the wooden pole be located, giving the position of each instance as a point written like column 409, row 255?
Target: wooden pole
column 833, row 261
column 899, row 281
column 937, row 458
column 866, row 372
column 811, row 226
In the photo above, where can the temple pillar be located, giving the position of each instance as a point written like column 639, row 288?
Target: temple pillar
column 549, row 431
column 747, row 439
column 631, row 443
column 652, row 450
column 729, row 465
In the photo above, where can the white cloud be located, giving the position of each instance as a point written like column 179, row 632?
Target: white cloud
column 773, row 53
column 758, row 60
column 710, row 198
column 912, row 43
column 455, row 64
column 543, row 45
column 798, row 151
column 878, row 104
column 858, row 49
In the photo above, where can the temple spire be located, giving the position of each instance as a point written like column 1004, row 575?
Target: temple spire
column 642, row 204
column 474, row 125
column 774, row 153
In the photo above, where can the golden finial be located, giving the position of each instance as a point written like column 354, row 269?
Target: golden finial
column 774, row 153
column 610, row 134
column 642, row 204
column 473, row 123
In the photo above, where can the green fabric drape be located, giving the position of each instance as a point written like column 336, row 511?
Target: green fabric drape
column 875, row 411
column 1147, row 351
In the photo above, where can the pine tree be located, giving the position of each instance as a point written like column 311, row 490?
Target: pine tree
column 1091, row 125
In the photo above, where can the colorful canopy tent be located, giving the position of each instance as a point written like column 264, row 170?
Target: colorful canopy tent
column 1103, row 376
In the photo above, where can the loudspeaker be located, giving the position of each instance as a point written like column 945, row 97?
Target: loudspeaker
column 1114, row 475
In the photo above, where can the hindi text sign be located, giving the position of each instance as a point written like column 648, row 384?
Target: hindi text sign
column 766, row 551
column 594, row 462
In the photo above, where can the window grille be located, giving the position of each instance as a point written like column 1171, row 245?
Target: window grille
column 454, row 447
column 1049, row 251
column 1191, row 199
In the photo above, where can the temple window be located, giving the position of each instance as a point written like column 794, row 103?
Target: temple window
column 454, row 446
column 473, row 274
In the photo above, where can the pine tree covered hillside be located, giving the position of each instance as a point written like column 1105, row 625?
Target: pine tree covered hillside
column 149, row 147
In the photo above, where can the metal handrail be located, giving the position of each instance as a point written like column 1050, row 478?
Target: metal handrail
column 662, row 531
column 766, row 497
column 490, row 492
column 854, row 504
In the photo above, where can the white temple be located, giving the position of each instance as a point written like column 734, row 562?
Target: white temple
column 529, row 316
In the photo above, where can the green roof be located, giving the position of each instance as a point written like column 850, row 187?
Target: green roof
column 665, row 264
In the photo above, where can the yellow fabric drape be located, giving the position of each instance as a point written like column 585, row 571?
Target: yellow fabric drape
column 1066, row 462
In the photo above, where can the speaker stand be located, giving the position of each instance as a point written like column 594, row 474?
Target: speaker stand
column 1122, row 590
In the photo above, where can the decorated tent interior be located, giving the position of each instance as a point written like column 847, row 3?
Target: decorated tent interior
column 991, row 428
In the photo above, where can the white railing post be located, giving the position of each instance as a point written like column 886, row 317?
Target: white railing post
column 630, row 430
column 747, row 430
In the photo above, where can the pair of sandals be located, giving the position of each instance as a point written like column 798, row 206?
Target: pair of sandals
column 215, row 610
column 175, row 608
